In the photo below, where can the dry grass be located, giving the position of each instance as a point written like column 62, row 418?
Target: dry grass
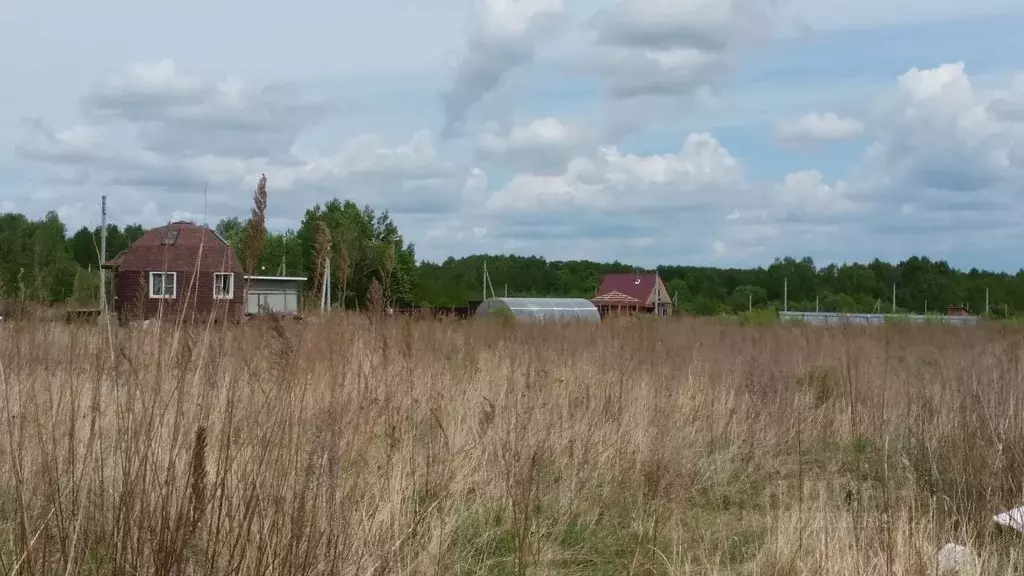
column 402, row 447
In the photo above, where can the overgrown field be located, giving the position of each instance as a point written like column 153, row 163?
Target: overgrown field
column 404, row 447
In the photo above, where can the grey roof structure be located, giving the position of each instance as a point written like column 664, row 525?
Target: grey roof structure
column 541, row 309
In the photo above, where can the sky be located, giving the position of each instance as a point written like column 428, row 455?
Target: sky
column 695, row 132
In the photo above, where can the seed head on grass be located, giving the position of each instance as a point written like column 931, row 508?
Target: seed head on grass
column 256, row 230
column 197, row 474
column 323, row 254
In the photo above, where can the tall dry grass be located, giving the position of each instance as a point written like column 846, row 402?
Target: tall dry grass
column 402, row 447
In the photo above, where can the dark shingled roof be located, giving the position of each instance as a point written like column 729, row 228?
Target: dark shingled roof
column 176, row 246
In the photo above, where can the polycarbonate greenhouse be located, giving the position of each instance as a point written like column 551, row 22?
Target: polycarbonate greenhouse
column 541, row 309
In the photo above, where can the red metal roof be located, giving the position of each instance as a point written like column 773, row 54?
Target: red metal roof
column 631, row 284
column 176, row 246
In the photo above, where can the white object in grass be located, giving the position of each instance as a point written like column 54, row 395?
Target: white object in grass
column 1013, row 518
column 957, row 559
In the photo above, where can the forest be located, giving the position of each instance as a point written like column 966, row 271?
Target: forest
column 42, row 261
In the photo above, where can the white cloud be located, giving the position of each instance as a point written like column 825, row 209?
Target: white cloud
column 1008, row 105
column 543, row 145
column 816, row 127
column 938, row 135
column 502, row 36
column 805, row 193
column 700, row 174
column 154, row 129
column 175, row 114
column 799, row 211
column 946, row 153
column 673, row 48
column 944, row 163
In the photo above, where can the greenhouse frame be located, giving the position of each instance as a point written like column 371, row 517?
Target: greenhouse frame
column 541, row 309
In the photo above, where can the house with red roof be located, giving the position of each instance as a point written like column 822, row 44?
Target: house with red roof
column 174, row 268
column 633, row 292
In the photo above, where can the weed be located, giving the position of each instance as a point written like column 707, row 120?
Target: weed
column 350, row 446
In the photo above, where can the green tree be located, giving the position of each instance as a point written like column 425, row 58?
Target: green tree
column 363, row 235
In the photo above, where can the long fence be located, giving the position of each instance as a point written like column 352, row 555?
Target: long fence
column 839, row 318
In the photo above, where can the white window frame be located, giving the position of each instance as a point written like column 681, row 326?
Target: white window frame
column 231, row 285
column 164, row 276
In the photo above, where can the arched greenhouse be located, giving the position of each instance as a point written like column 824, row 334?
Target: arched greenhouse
column 541, row 309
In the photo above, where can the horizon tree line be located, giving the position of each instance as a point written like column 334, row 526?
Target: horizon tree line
column 40, row 261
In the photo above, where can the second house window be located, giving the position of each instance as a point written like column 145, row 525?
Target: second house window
column 223, row 286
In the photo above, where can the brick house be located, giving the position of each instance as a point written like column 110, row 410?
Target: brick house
column 174, row 269
column 632, row 292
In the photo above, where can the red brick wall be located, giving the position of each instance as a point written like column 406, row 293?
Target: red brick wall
column 194, row 297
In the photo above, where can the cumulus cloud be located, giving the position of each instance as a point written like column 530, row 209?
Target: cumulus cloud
column 944, row 154
column 502, row 36
column 672, row 47
column 542, row 145
column 815, row 127
column 802, row 209
column 939, row 134
column 1008, row 105
column 603, row 203
column 177, row 114
column 805, row 195
column 153, row 128
column 613, row 181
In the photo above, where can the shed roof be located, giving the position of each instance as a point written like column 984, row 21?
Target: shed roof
column 178, row 246
column 630, row 284
column 278, row 278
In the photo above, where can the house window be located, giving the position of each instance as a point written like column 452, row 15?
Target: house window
column 163, row 284
column 223, row 285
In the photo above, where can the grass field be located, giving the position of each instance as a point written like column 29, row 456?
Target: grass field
column 403, row 447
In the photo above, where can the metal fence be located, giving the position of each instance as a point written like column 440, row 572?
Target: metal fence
column 839, row 318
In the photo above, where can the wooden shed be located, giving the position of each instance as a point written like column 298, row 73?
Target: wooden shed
column 178, row 268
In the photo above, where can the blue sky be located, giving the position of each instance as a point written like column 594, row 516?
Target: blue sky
column 712, row 132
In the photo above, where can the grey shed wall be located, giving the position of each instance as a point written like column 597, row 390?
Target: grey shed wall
column 280, row 296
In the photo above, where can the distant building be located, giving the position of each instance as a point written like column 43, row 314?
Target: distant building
column 957, row 311
column 540, row 309
column 273, row 294
column 630, row 292
column 177, row 267
column 183, row 267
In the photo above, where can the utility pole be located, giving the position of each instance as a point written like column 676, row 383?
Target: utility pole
column 815, row 302
column 785, row 294
column 893, row 297
column 103, row 257
column 657, row 293
column 986, row 302
column 325, row 287
column 282, row 270
column 750, row 301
